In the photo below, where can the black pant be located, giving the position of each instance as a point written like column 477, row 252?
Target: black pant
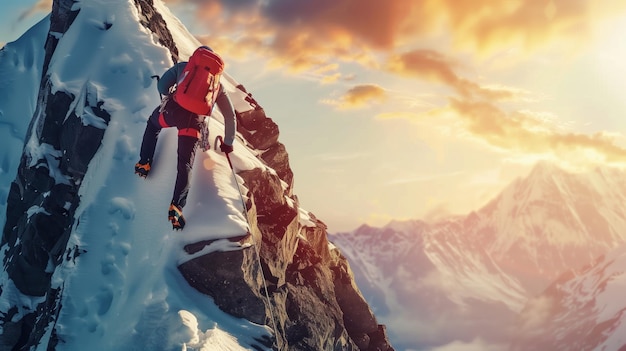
column 188, row 124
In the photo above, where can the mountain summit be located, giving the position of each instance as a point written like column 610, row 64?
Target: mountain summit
column 474, row 274
column 553, row 221
column 89, row 258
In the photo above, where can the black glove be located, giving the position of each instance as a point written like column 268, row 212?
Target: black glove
column 226, row 148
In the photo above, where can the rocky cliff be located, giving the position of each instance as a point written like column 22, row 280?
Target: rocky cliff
column 314, row 303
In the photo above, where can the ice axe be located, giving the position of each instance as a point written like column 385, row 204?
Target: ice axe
column 221, row 141
column 158, row 78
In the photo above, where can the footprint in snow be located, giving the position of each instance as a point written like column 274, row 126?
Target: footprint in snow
column 124, row 206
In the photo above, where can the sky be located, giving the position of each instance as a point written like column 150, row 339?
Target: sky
column 416, row 109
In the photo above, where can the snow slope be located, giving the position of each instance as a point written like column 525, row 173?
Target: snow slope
column 20, row 73
column 430, row 289
column 583, row 310
column 121, row 222
column 554, row 221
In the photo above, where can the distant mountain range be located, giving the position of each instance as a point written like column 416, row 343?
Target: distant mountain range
column 464, row 280
column 583, row 310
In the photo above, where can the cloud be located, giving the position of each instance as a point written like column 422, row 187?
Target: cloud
column 528, row 133
column 427, row 64
column 437, row 212
column 245, row 29
column 376, row 23
column 360, row 96
column 399, row 115
column 306, row 35
column 315, row 37
column 487, row 25
column 318, row 36
column 329, row 73
column 40, row 6
column 354, row 29
column 434, row 66
column 536, row 313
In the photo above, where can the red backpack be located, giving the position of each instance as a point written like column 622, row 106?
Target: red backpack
column 199, row 83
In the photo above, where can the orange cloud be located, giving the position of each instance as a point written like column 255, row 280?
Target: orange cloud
column 521, row 131
column 303, row 35
column 434, row 66
column 360, row 96
column 316, row 36
column 488, row 25
column 376, row 23
column 427, row 64
column 309, row 29
column 363, row 93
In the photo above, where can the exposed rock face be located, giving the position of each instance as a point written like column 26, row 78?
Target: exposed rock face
column 323, row 307
column 262, row 133
column 156, row 24
column 61, row 19
column 228, row 278
column 44, row 196
column 313, row 304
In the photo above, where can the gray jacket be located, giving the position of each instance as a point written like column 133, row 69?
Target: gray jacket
column 170, row 77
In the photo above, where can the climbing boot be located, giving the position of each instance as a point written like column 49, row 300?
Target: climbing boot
column 175, row 215
column 142, row 168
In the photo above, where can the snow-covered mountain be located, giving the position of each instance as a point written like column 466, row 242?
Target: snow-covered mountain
column 582, row 310
column 466, row 278
column 554, row 221
column 89, row 258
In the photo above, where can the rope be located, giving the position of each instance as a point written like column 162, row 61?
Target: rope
column 256, row 247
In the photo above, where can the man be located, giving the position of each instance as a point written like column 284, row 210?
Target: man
column 189, row 124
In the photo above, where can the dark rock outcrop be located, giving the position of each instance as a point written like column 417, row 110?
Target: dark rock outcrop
column 44, row 196
column 262, row 134
column 61, row 19
column 313, row 302
column 154, row 22
column 228, row 276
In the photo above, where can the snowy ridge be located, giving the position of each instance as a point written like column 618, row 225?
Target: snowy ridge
column 469, row 272
column 463, row 268
column 20, row 72
column 122, row 220
column 550, row 193
column 554, row 221
column 426, row 286
column 92, row 240
column 584, row 308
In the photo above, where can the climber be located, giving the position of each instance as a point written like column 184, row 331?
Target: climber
column 189, row 90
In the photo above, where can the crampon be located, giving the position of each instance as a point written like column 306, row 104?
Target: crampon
column 142, row 169
column 175, row 215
